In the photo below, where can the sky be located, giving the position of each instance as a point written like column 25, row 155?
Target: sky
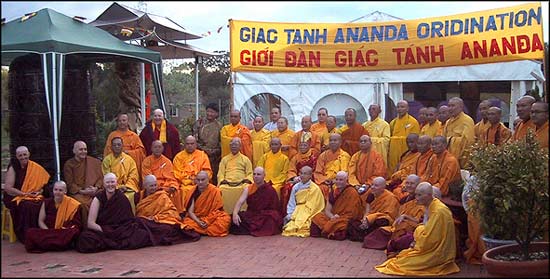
column 202, row 17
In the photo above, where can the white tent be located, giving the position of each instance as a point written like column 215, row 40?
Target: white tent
column 306, row 92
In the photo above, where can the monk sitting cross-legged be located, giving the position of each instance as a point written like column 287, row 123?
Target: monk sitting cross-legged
column 365, row 164
column 329, row 163
column 381, row 210
column 157, row 213
column 399, row 235
column 262, row 217
column 205, row 212
column 161, row 167
column 343, row 204
column 59, row 223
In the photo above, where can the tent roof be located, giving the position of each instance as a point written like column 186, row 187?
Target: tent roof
column 51, row 31
column 175, row 50
column 118, row 16
column 376, row 16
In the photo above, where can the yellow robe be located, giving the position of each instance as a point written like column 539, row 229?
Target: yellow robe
column 460, row 135
column 286, row 139
column 276, row 169
column 131, row 145
column 379, row 132
column 187, row 166
column 400, row 128
column 319, row 128
column 309, row 202
column 435, row 248
column 260, row 144
column 329, row 163
column 126, row 173
column 431, row 130
column 228, row 132
column 233, row 168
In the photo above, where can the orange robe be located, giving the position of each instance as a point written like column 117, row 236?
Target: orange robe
column 385, row 206
column 347, row 205
column 406, row 166
column 364, row 167
column 497, row 134
column 158, row 207
column 443, row 171
column 476, row 246
column 131, row 145
column 521, row 130
column 350, row 137
column 412, row 209
column 480, row 130
column 163, row 170
column 208, row 207
column 187, row 166
column 301, row 136
column 228, row 132
column 286, row 139
column 319, row 128
column 541, row 135
column 328, row 164
column 35, row 179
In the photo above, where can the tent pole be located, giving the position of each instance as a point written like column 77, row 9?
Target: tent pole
column 197, row 61
column 142, row 95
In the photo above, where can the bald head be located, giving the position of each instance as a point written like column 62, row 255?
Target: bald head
column 365, row 143
column 335, row 141
column 493, row 115
column 424, row 143
column 341, row 179
column 456, row 106
column 275, row 145
column 402, row 108
column 523, row 107
column 424, row 188
column 80, row 150
column 436, row 192
column 374, row 111
column 306, row 122
column 443, row 113
column 412, row 140
column 483, row 107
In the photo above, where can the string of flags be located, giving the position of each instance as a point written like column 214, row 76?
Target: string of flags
column 208, row 33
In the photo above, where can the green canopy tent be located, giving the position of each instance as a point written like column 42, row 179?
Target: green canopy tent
column 53, row 36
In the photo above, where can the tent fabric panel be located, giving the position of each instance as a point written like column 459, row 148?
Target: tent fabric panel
column 502, row 71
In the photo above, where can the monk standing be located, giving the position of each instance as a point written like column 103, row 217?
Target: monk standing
column 342, row 205
column 523, row 107
column 379, row 132
column 83, row 177
column 539, row 114
column 236, row 130
column 285, row 135
column 59, row 223
column 160, row 129
column 351, row 132
column 161, row 167
column 459, row 131
column 205, row 212
column 433, row 250
column 432, row 126
column 25, row 181
column 497, row 133
column 305, row 135
column 276, row 165
column 262, row 216
column 480, row 128
column 274, row 116
column 320, row 127
column 260, row 140
column 132, row 143
column 207, row 133
column 400, row 127
column 381, row 210
column 329, row 163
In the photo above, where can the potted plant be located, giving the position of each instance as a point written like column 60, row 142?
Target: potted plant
column 511, row 201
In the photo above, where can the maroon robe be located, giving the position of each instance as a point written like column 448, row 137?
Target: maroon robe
column 120, row 229
column 262, row 217
column 24, row 215
column 171, row 147
column 39, row 240
column 287, row 187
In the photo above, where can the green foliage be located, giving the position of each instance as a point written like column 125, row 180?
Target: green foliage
column 512, row 198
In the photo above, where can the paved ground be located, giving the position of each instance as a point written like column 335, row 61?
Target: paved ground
column 231, row 256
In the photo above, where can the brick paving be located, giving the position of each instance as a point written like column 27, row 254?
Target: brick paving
column 231, row 256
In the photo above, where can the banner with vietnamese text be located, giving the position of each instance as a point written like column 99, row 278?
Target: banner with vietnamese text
column 499, row 35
